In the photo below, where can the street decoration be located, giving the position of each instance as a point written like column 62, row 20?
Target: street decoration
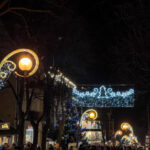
column 126, row 135
column 89, row 114
column 9, row 65
column 59, row 77
column 127, row 126
column 91, row 126
column 103, row 97
column 4, row 126
column 118, row 133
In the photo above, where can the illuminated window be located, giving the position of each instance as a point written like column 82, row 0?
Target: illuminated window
column 29, row 134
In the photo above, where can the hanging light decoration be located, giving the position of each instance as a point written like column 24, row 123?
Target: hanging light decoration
column 59, row 77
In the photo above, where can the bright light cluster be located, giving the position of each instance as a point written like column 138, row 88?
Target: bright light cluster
column 103, row 97
column 60, row 78
column 127, row 138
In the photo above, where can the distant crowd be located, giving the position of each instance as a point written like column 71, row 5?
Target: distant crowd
column 94, row 147
column 29, row 146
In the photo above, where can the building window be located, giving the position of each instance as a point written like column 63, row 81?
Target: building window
column 29, row 134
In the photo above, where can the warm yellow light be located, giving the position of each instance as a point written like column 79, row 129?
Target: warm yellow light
column 131, row 135
column 125, row 126
column 119, row 132
column 92, row 115
column 25, row 64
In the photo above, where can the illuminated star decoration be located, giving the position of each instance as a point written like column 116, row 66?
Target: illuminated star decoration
column 103, row 97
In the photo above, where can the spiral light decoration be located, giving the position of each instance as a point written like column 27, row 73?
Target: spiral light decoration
column 131, row 139
column 87, row 115
column 7, row 66
column 118, row 133
column 126, row 126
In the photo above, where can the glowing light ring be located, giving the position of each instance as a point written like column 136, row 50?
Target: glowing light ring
column 5, row 60
column 103, row 97
column 128, row 127
column 118, row 133
column 85, row 115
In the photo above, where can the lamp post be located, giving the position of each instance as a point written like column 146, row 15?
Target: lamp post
column 29, row 62
column 23, row 63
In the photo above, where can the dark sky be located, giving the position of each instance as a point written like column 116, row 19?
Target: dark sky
column 92, row 42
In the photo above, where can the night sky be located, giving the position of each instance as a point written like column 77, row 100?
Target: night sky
column 92, row 42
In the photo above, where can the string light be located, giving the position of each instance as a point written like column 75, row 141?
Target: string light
column 103, row 97
column 60, row 78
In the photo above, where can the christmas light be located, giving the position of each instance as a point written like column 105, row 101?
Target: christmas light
column 60, row 78
column 103, row 97
column 126, row 126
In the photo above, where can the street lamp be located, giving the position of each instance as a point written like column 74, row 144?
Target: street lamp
column 25, row 64
column 92, row 115
column 29, row 63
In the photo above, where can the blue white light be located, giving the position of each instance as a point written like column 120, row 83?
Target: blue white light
column 2, row 84
column 103, row 97
column 5, row 72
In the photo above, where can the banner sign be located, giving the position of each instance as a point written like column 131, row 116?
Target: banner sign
column 4, row 126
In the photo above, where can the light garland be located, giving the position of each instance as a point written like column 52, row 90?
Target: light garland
column 103, row 97
column 60, row 78
column 2, row 84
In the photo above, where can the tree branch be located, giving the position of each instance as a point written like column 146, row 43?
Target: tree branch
column 29, row 10
column 25, row 22
column 3, row 3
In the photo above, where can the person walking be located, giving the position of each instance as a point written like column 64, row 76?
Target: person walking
column 5, row 147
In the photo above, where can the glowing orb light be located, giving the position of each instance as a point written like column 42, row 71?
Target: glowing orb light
column 25, row 64
column 92, row 115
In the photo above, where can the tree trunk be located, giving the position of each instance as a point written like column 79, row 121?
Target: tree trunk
column 60, row 132
column 44, row 135
column 35, row 139
column 103, row 134
column 21, row 133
